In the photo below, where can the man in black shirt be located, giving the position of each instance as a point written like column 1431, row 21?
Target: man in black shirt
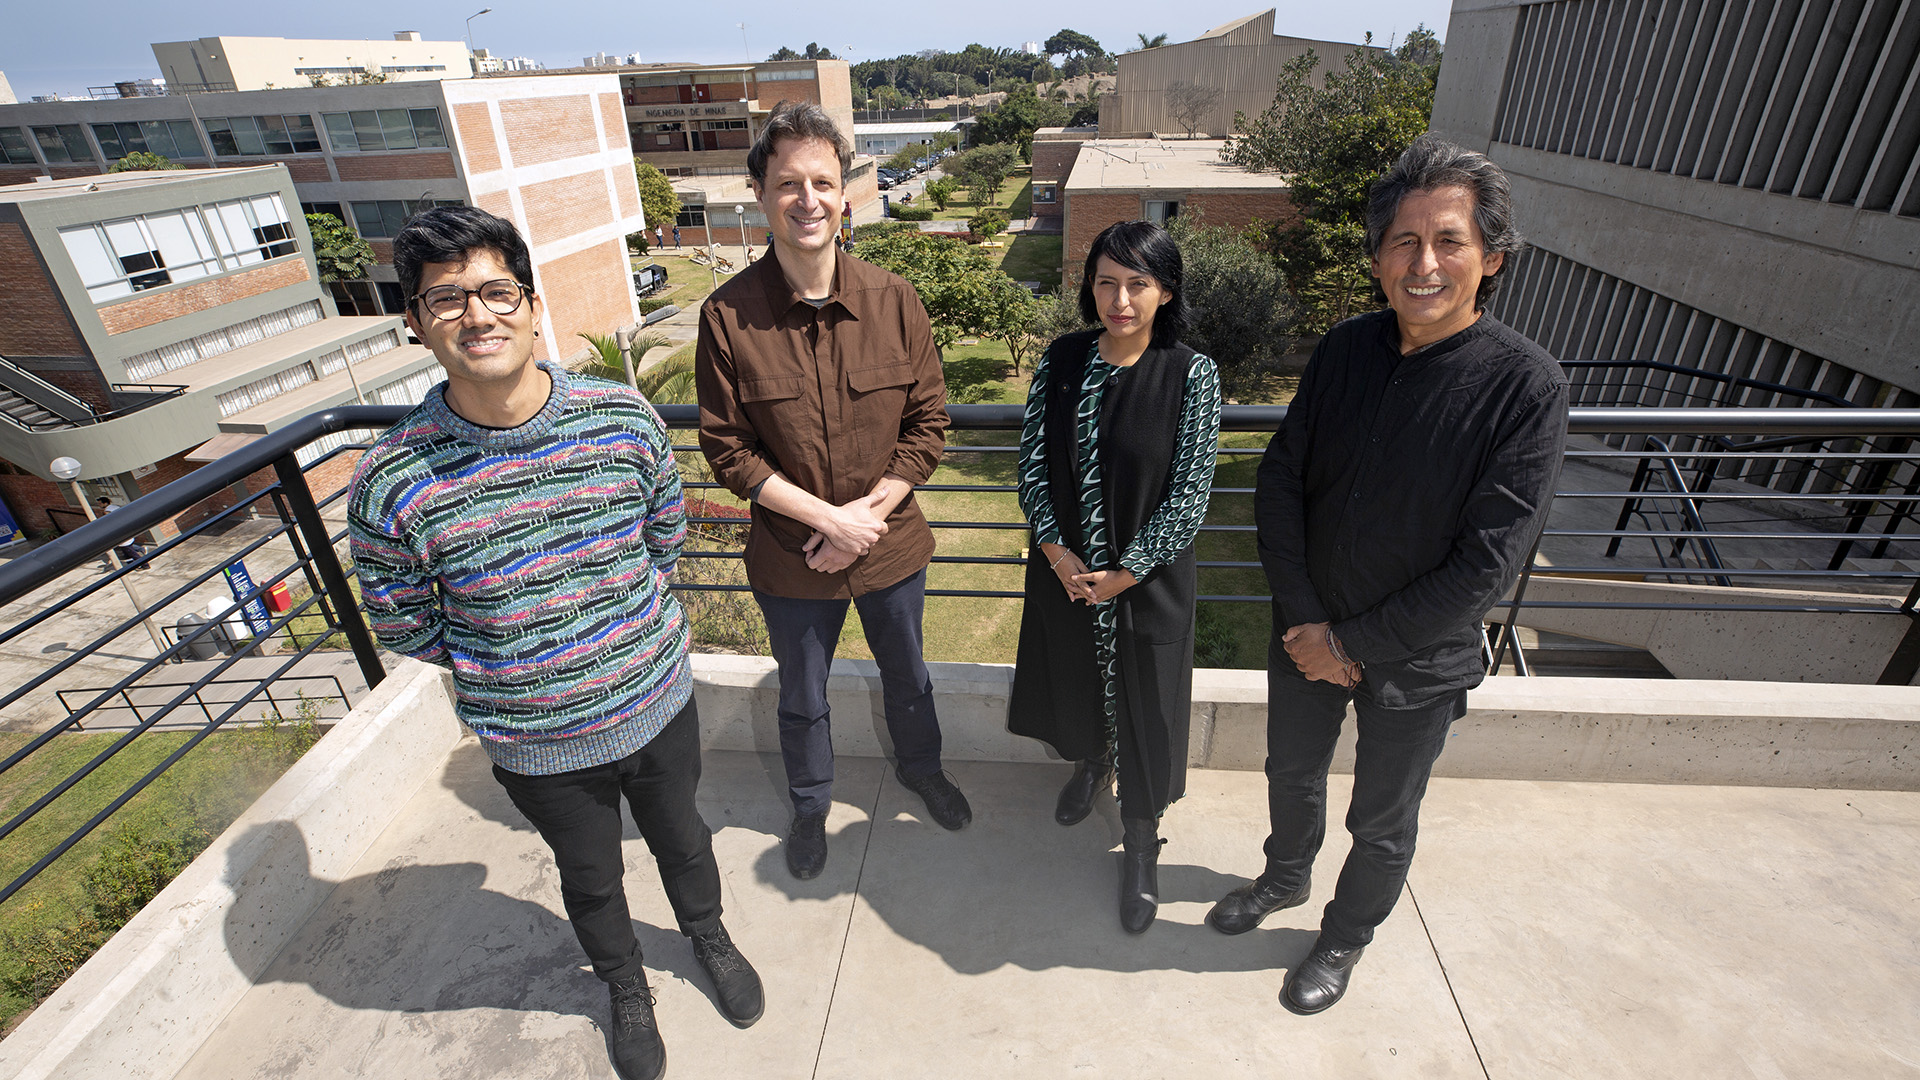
column 1398, row 502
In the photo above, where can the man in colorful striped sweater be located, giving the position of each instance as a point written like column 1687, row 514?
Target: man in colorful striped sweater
column 519, row 527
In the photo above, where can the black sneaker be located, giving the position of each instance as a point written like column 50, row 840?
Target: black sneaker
column 944, row 801
column 637, row 1052
column 741, row 997
column 807, row 845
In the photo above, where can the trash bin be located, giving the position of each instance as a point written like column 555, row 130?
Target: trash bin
column 279, row 598
column 204, row 647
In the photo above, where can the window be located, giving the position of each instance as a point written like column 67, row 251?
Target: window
column 1044, row 192
column 384, row 129
column 171, row 139
column 13, row 147
column 179, row 354
column 63, row 143
column 250, row 136
column 119, row 258
column 384, row 218
column 692, row 218
column 724, row 125
column 322, row 208
column 1161, row 211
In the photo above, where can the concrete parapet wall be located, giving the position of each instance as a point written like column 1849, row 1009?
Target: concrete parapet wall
column 141, row 1006
column 1644, row 731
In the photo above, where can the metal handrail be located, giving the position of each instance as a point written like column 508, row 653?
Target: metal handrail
column 197, row 689
column 1721, row 377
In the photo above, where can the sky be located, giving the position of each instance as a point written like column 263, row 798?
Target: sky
column 65, row 47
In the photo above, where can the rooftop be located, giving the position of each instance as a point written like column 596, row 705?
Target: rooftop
column 124, row 181
column 1114, row 165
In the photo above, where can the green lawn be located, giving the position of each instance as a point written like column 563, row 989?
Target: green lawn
column 1015, row 196
column 56, row 921
column 1034, row 257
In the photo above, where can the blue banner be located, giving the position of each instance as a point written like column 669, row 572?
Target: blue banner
column 241, row 583
column 9, row 529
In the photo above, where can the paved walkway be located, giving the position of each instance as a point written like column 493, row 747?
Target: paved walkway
column 1549, row 930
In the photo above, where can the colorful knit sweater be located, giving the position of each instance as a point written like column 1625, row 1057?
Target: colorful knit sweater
column 534, row 562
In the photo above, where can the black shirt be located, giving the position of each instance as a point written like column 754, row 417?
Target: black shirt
column 1402, row 495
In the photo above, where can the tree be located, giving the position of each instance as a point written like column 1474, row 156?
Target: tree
column 1190, row 104
column 1241, row 313
column 338, row 250
column 142, row 161
column 657, row 200
column 981, row 171
column 1014, row 312
column 1017, row 118
column 940, row 192
column 1073, row 43
column 960, row 286
column 1335, row 140
column 1050, row 317
column 1153, row 42
column 1086, row 114
column 908, row 155
column 784, row 53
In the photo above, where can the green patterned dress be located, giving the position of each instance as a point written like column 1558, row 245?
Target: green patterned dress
column 1174, row 524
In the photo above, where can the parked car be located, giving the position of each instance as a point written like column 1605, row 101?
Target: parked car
column 883, row 180
column 649, row 279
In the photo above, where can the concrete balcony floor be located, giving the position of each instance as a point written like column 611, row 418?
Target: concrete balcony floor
column 1548, row 930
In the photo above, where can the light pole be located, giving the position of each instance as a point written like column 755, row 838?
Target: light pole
column 713, row 256
column 741, row 213
column 470, row 19
column 68, row 469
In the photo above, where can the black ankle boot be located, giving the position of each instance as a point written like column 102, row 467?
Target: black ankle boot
column 1139, row 874
column 1076, row 799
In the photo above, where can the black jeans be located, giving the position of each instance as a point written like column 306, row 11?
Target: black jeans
column 1394, row 757
column 578, row 815
column 803, row 635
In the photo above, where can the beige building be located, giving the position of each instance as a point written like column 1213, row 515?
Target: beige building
column 1114, row 180
column 1241, row 59
column 268, row 63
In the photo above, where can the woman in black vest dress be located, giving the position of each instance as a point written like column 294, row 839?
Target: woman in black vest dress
column 1116, row 463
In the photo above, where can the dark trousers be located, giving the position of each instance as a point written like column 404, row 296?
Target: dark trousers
column 578, row 815
column 1394, row 757
column 803, row 635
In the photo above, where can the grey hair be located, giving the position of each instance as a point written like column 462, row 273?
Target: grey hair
column 797, row 120
column 1433, row 162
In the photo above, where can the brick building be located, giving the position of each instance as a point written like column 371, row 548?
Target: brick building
column 549, row 153
column 696, row 122
column 1054, row 152
column 156, row 319
column 1117, row 180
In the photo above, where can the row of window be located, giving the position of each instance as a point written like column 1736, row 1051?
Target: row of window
column 179, row 354
column 230, row 136
column 120, row 258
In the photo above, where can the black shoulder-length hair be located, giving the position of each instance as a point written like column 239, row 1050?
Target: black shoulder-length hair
column 1145, row 248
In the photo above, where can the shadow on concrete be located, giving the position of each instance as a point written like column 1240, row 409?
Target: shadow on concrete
column 986, row 901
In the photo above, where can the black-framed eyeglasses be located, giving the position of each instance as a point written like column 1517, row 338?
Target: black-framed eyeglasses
column 449, row 302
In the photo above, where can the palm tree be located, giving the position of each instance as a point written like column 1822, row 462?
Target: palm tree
column 667, row 383
column 1153, row 42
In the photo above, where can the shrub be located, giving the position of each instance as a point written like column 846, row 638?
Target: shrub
column 987, row 223
column 1213, row 641
column 652, row 304
column 910, row 213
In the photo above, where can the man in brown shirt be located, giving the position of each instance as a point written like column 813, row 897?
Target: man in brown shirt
column 822, row 401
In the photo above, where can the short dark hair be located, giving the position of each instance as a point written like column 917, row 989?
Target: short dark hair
column 797, row 120
column 1143, row 247
column 451, row 234
column 1433, row 162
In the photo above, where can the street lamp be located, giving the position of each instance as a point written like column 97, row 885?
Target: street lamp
column 470, row 19
column 741, row 212
column 68, row 469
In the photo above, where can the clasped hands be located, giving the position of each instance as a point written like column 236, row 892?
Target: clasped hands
column 1310, row 645
column 848, row 532
column 1085, row 586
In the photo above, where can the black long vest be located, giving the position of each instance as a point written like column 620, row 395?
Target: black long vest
column 1058, row 691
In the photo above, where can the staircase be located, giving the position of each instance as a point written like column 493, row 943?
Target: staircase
column 24, row 412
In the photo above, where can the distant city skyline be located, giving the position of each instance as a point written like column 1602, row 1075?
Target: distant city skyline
column 66, row 48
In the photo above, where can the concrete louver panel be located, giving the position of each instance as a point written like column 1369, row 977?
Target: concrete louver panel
column 1818, row 99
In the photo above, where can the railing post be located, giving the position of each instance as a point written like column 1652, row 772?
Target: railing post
column 1904, row 664
column 306, row 514
column 1628, row 507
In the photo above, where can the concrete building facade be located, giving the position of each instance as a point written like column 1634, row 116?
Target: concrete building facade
column 1116, row 180
column 1241, row 59
column 1054, row 152
column 549, row 153
column 268, row 63
column 154, row 315
column 1729, row 187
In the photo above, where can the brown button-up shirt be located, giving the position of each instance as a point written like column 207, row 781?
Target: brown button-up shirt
column 833, row 398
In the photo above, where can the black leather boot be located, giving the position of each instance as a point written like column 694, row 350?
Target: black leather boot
column 1139, row 874
column 1076, row 799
